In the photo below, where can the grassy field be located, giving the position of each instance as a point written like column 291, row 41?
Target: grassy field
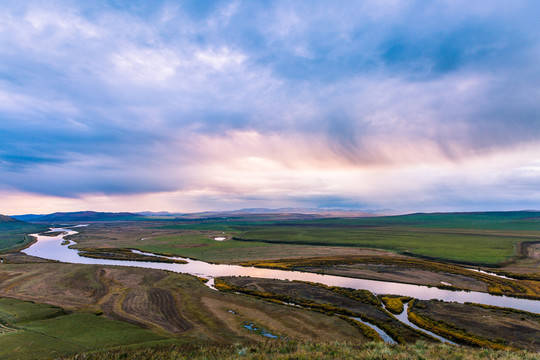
column 136, row 306
column 466, row 324
column 14, row 235
column 13, row 311
column 504, row 327
column 91, row 309
column 325, row 299
column 181, row 239
column 525, row 221
column 471, row 238
column 484, row 238
column 41, row 330
column 408, row 270
column 91, row 331
column 308, row 351
column 203, row 247
column 469, row 248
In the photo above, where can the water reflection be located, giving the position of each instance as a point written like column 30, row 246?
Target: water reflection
column 49, row 247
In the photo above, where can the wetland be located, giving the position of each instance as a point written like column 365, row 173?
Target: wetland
column 268, row 289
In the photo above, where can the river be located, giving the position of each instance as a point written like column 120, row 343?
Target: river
column 50, row 247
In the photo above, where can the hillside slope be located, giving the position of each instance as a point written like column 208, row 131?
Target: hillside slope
column 14, row 233
column 82, row 216
column 7, row 219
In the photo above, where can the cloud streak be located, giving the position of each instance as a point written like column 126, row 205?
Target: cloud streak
column 270, row 103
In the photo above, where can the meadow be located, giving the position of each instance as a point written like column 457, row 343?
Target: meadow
column 467, row 324
column 52, row 331
column 495, row 241
column 14, row 235
column 103, row 312
column 473, row 324
column 68, row 308
column 488, row 239
column 197, row 241
column 477, row 239
column 287, row 350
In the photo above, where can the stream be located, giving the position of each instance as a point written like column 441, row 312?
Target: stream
column 403, row 317
column 50, row 247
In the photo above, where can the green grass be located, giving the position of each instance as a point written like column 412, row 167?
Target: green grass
column 487, row 238
column 43, row 330
column 476, row 238
column 307, row 351
column 13, row 235
column 198, row 246
column 471, row 248
column 29, row 345
column 14, row 311
column 203, row 247
column 91, row 331
column 523, row 221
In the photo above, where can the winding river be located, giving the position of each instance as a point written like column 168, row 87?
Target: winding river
column 50, row 247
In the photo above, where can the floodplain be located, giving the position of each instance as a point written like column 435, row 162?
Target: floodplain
column 130, row 309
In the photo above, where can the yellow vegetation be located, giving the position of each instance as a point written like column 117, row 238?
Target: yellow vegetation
column 393, row 304
column 450, row 331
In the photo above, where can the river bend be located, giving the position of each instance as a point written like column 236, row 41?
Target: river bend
column 50, row 247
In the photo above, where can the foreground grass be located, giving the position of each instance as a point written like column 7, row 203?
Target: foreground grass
column 14, row 311
column 293, row 350
column 91, row 331
column 52, row 332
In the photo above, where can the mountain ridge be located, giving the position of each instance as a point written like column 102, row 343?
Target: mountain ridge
column 80, row 216
column 6, row 219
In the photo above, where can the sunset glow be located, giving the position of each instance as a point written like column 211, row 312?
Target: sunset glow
column 190, row 106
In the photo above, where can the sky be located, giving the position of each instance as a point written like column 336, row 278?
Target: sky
column 188, row 106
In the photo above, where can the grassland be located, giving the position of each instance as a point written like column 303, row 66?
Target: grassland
column 472, row 248
column 124, row 254
column 89, row 309
column 14, row 235
column 324, row 299
column 479, row 325
column 41, row 330
column 152, row 313
column 501, row 240
column 130, row 306
column 486, row 239
column 308, row 351
column 408, row 270
column 467, row 324
column 182, row 240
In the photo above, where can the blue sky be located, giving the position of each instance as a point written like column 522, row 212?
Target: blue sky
column 194, row 105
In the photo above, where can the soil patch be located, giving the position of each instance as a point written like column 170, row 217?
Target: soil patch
column 518, row 329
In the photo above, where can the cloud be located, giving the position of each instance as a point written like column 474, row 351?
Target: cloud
column 270, row 101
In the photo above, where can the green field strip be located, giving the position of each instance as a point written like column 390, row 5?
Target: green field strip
column 91, row 331
column 24, row 344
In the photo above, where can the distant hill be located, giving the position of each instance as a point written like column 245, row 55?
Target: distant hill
column 81, row 216
column 14, row 233
column 7, row 219
column 157, row 213
column 291, row 213
column 331, row 212
column 26, row 217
